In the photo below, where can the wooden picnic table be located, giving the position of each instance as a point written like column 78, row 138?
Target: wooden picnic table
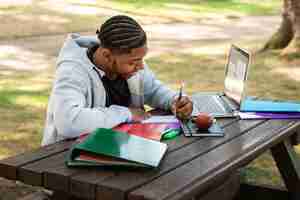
column 191, row 167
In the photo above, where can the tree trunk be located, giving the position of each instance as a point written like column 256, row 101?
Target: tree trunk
column 285, row 33
column 294, row 45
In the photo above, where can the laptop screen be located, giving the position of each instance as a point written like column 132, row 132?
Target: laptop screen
column 236, row 73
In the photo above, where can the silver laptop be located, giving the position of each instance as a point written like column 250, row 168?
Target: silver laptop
column 227, row 103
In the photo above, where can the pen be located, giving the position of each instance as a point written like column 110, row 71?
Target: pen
column 180, row 90
column 179, row 95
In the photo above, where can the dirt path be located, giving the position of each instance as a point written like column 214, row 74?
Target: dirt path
column 210, row 36
column 40, row 52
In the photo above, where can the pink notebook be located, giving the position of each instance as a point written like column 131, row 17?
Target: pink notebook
column 147, row 130
column 151, row 131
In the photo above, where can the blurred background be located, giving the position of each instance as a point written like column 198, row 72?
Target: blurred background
column 188, row 39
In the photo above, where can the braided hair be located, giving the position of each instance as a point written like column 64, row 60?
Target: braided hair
column 120, row 34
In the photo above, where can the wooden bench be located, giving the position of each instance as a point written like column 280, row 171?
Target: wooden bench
column 192, row 167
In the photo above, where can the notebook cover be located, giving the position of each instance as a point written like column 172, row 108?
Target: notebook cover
column 268, row 115
column 166, row 119
column 252, row 105
column 101, row 160
column 150, row 130
column 190, row 129
column 120, row 145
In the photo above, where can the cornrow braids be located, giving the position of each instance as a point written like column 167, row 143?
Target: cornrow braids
column 121, row 33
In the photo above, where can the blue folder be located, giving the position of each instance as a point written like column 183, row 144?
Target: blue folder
column 253, row 105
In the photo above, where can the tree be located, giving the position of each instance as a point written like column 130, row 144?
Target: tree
column 287, row 36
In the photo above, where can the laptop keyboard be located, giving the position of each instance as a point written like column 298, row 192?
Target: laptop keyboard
column 232, row 105
column 209, row 104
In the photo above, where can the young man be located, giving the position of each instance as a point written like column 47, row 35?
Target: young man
column 104, row 82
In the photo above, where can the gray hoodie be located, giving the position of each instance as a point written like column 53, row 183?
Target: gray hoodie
column 77, row 101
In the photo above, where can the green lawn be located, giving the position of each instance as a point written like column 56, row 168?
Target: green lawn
column 47, row 17
column 23, row 100
column 253, row 7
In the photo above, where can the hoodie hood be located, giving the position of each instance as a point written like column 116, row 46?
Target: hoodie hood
column 74, row 49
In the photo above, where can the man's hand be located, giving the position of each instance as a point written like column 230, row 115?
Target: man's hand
column 182, row 107
column 138, row 114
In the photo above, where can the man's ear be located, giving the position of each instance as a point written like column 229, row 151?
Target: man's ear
column 107, row 55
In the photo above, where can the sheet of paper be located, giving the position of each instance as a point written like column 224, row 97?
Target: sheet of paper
column 161, row 119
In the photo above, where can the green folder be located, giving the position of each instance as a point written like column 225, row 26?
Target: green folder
column 106, row 147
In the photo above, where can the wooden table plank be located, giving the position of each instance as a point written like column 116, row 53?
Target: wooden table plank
column 295, row 139
column 84, row 180
column 201, row 172
column 9, row 166
column 61, row 174
column 117, row 187
column 51, row 172
column 82, row 183
column 32, row 173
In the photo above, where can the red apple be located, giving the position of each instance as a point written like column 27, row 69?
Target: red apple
column 203, row 120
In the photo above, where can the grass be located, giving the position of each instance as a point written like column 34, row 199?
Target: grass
column 48, row 17
column 23, row 101
column 204, row 6
column 262, row 170
column 264, row 70
column 39, row 20
column 24, row 93
column 169, row 67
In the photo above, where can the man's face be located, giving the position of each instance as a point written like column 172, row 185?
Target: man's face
column 126, row 65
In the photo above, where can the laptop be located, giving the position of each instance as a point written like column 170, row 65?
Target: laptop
column 227, row 103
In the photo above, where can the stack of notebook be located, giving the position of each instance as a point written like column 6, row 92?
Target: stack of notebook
column 107, row 147
column 269, row 109
column 134, row 145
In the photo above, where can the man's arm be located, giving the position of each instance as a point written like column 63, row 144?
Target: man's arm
column 71, row 110
column 156, row 93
